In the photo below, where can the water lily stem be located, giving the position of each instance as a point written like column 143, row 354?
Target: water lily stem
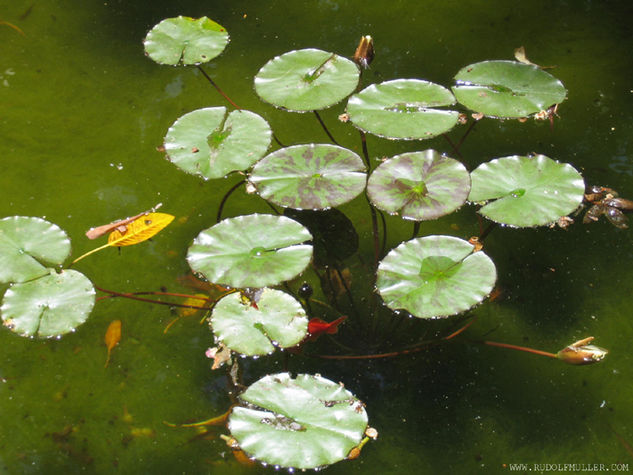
column 416, row 229
column 325, row 128
column 453, row 146
column 212, row 82
column 519, row 348
column 468, row 130
column 363, row 141
column 226, row 197
column 485, row 232
column 133, row 296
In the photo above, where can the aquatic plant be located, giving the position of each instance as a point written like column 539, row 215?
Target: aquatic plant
column 307, row 421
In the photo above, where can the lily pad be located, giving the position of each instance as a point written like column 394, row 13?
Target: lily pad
column 306, row 79
column 507, row 89
column 48, row 306
column 435, row 276
column 419, row 185
column 210, row 143
column 301, row 423
column 28, row 246
column 278, row 320
column 312, row 176
column 403, row 109
column 184, row 40
column 256, row 250
column 526, row 191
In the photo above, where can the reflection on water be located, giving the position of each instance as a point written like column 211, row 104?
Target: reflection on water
column 82, row 112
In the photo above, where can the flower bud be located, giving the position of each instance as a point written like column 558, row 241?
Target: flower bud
column 581, row 353
column 364, row 54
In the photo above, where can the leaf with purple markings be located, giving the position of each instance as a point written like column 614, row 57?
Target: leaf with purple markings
column 312, row 176
column 419, row 185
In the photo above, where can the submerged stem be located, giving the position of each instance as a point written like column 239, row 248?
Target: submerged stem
column 519, row 348
column 332, row 139
column 212, row 82
column 226, row 197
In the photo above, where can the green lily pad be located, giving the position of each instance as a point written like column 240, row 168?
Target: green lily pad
column 48, row 306
column 435, row 276
column 278, row 321
column 184, row 40
column 403, row 109
column 28, row 246
column 256, row 250
column 301, row 423
column 419, row 185
column 527, row 191
column 334, row 235
column 210, row 143
column 507, row 89
column 312, row 176
column 306, row 79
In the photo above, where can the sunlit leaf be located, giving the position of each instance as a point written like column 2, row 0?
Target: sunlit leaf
column 526, row 191
column 301, row 423
column 278, row 321
column 419, row 185
column 256, row 250
column 403, row 109
column 212, row 143
column 185, row 41
column 307, row 79
column 48, row 306
column 435, row 276
column 507, row 89
column 311, row 176
column 140, row 229
column 28, row 246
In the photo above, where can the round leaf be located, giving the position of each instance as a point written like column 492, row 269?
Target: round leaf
column 28, row 246
column 251, row 251
column 301, row 423
column 435, row 276
column 48, row 306
column 210, row 143
column 277, row 320
column 528, row 191
column 306, row 79
column 403, row 109
column 419, row 185
column 507, row 88
column 186, row 41
column 312, row 176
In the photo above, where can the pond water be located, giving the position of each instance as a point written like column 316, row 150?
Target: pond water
column 82, row 111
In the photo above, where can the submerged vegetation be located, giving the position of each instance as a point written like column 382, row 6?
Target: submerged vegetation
column 257, row 264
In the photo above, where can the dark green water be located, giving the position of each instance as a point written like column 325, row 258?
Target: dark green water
column 81, row 114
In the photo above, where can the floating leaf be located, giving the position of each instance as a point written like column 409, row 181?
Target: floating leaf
column 334, row 235
column 278, row 321
column 185, row 41
column 256, row 250
column 403, row 109
column 527, row 191
column 210, row 143
column 507, row 89
column 28, row 246
column 435, row 276
column 139, row 230
column 306, row 79
column 301, row 423
column 48, row 306
column 312, row 176
column 419, row 185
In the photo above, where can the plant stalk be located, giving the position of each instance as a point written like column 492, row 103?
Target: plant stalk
column 519, row 348
column 332, row 139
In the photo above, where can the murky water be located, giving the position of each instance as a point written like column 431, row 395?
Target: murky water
column 81, row 114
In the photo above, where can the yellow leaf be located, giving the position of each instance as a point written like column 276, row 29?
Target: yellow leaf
column 140, row 229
